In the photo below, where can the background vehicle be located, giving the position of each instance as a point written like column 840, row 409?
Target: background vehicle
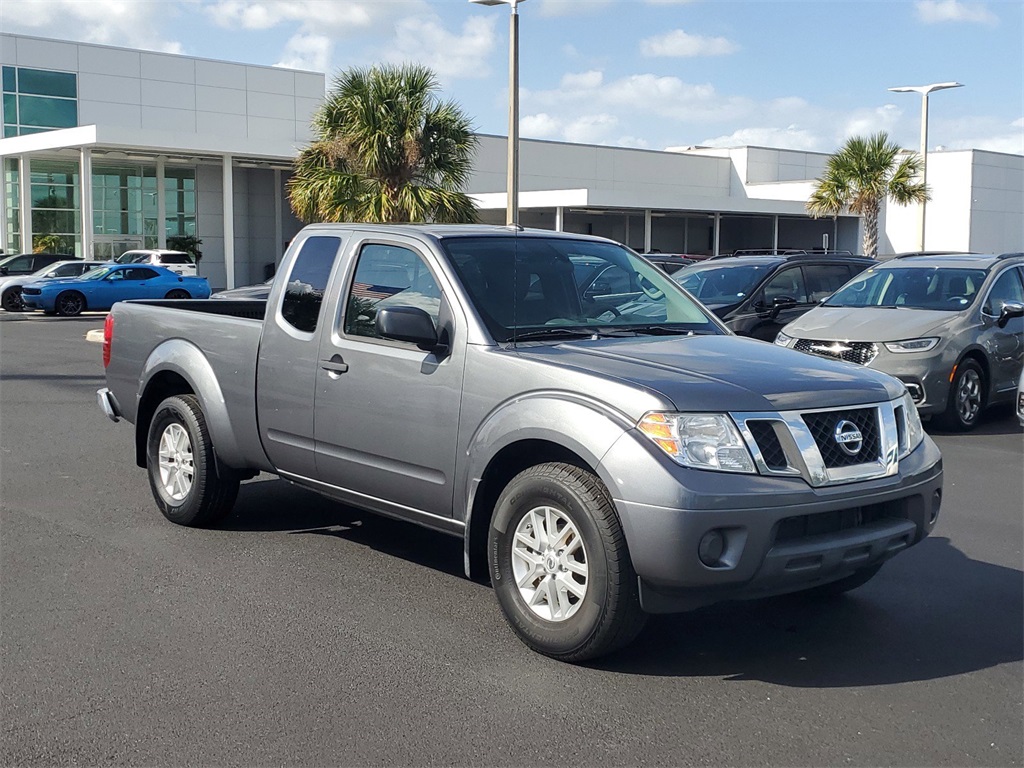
column 670, row 263
column 177, row 261
column 260, row 292
column 1020, row 398
column 10, row 287
column 756, row 295
column 102, row 287
column 950, row 326
column 27, row 263
column 597, row 465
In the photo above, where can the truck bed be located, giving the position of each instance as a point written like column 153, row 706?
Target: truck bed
column 250, row 309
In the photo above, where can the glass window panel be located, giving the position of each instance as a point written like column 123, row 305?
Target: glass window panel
column 189, row 225
column 112, row 223
column 26, row 130
column 45, row 83
column 392, row 276
column 9, row 131
column 149, row 204
column 50, row 172
column 10, row 108
column 47, row 112
column 307, row 282
column 150, row 242
column 149, row 227
column 97, row 223
column 9, row 84
column 50, row 222
column 54, row 196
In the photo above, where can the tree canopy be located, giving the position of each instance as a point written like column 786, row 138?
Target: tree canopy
column 386, row 149
column 861, row 176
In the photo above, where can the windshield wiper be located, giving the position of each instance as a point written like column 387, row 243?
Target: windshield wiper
column 667, row 330
column 556, row 333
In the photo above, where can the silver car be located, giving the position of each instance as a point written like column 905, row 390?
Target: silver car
column 950, row 326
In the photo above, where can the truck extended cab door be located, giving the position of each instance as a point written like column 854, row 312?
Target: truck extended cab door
column 386, row 412
column 287, row 367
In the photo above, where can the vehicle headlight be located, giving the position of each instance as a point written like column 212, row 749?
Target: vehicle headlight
column 783, row 340
column 915, row 431
column 911, row 345
column 699, row 440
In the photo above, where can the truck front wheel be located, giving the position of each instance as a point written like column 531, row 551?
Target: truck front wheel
column 560, row 566
column 182, row 466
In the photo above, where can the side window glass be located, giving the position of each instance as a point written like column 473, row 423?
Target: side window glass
column 388, row 276
column 20, row 263
column 307, row 282
column 1007, row 287
column 68, row 270
column 116, row 275
column 825, row 279
column 789, row 283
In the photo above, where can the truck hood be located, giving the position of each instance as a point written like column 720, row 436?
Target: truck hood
column 723, row 373
column 869, row 323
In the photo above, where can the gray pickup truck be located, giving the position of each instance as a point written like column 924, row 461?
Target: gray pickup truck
column 605, row 448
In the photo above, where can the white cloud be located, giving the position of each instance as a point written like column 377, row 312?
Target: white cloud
column 307, row 51
column 678, row 43
column 424, row 40
column 540, row 126
column 108, row 22
column 937, row 11
column 790, row 137
column 314, row 16
column 552, row 8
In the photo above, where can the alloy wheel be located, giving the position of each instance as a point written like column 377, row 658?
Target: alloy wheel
column 549, row 563
column 968, row 396
column 177, row 466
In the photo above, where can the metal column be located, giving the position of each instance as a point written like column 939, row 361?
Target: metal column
column 161, row 204
column 25, row 201
column 229, row 222
column 85, row 202
column 647, row 231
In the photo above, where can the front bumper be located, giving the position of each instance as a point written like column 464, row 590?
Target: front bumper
column 781, row 535
column 37, row 301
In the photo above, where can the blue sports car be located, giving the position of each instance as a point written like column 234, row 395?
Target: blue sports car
column 100, row 288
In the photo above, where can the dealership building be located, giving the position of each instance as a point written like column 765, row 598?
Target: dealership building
column 110, row 149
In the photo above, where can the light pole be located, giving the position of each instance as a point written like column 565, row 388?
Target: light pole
column 924, row 90
column 512, row 205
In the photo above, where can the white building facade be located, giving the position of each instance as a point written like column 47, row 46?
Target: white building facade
column 106, row 149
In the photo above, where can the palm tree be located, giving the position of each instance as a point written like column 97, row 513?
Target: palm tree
column 387, row 149
column 860, row 176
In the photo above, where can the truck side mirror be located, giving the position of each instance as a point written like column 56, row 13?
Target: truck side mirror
column 410, row 324
column 1010, row 310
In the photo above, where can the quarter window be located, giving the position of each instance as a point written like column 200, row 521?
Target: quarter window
column 388, row 276
column 307, row 282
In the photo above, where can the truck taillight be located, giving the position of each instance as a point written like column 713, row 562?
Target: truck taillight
column 108, row 336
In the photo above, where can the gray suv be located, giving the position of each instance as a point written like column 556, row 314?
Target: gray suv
column 950, row 326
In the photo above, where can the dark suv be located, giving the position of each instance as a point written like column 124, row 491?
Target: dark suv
column 27, row 263
column 757, row 295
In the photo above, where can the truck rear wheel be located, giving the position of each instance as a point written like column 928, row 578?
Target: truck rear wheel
column 182, row 466
column 560, row 566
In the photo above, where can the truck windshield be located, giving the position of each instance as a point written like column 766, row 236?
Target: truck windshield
column 943, row 288
column 522, row 284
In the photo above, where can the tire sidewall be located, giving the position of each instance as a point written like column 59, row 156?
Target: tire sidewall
column 60, row 310
column 954, row 411
column 524, row 493
column 174, row 411
column 10, row 296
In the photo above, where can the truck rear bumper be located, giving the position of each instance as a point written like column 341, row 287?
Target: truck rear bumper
column 730, row 548
column 108, row 404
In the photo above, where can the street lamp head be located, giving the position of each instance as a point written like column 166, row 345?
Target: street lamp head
column 513, row 3
column 922, row 89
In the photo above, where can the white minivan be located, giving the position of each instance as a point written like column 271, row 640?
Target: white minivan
column 176, row 261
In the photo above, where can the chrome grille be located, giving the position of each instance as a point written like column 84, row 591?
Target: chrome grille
column 859, row 352
column 768, row 443
column 824, row 426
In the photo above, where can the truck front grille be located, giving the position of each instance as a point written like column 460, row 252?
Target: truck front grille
column 827, row 426
column 829, row 445
column 859, row 352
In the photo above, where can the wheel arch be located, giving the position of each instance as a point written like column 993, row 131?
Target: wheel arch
column 533, row 430
column 178, row 367
column 61, row 292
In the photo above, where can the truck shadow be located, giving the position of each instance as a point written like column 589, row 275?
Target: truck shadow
column 997, row 420
column 931, row 613
column 276, row 505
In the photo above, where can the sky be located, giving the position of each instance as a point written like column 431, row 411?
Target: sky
column 638, row 73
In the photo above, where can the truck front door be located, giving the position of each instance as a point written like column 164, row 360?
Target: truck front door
column 386, row 412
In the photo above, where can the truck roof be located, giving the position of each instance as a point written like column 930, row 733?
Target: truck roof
column 442, row 231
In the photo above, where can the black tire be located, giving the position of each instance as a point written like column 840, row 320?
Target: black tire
column 608, row 615
column 967, row 398
column 11, row 300
column 845, row 584
column 69, row 304
column 178, row 293
column 210, row 494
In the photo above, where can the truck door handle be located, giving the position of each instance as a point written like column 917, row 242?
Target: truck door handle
column 336, row 365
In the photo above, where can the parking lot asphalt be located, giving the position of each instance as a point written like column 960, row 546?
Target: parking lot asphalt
column 301, row 632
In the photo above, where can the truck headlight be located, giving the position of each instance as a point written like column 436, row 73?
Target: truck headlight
column 911, row 345
column 915, row 430
column 699, row 440
column 783, row 340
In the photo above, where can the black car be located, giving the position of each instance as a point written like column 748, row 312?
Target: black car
column 670, row 263
column 27, row 263
column 757, row 295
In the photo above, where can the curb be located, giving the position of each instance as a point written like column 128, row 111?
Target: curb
column 95, row 335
